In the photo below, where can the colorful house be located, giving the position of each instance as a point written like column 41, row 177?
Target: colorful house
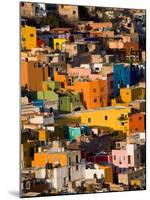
column 50, row 85
column 71, row 132
column 101, row 172
column 56, row 155
column 70, row 102
column 28, row 37
column 125, row 76
column 49, row 95
column 32, row 75
column 114, row 117
column 137, row 122
column 130, row 94
column 127, row 157
column 93, row 93
column 58, row 43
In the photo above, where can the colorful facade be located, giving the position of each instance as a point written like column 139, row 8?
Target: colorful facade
column 137, row 122
column 70, row 102
column 32, row 75
column 116, row 118
column 28, row 37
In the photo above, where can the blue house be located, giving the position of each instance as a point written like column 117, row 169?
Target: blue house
column 48, row 37
column 71, row 132
column 126, row 76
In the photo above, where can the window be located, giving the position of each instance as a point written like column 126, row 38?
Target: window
column 140, row 118
column 95, row 100
column 28, row 185
column 127, row 93
column 122, row 123
column 62, row 6
column 32, row 152
column 76, row 158
column 94, row 90
column 129, row 159
column 102, row 89
column 114, row 157
column 31, row 35
column 89, row 120
column 106, row 117
column 111, row 84
column 74, row 12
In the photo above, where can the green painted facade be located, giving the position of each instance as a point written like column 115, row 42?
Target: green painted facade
column 47, row 95
column 52, row 85
column 70, row 102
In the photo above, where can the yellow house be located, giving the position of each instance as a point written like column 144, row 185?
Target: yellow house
column 108, row 173
column 130, row 94
column 58, row 43
column 114, row 117
column 28, row 37
column 43, row 136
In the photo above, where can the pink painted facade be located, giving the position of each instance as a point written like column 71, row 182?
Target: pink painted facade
column 125, row 158
column 120, row 159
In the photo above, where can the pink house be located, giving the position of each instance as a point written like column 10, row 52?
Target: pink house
column 122, row 159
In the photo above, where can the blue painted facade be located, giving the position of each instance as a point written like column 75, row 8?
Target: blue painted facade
column 48, row 37
column 70, row 133
column 126, row 75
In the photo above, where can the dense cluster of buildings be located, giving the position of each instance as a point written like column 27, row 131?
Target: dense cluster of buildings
column 82, row 99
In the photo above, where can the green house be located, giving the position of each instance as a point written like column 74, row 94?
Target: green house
column 70, row 102
column 51, row 85
column 49, row 95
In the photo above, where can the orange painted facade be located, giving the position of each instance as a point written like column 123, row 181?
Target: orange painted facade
column 93, row 93
column 60, row 78
column 32, row 75
column 40, row 159
column 137, row 123
column 131, row 46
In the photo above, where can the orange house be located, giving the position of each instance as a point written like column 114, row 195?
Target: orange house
column 137, row 122
column 61, row 78
column 40, row 159
column 93, row 93
column 131, row 47
column 32, row 75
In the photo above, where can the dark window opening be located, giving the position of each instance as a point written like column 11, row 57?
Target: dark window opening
column 129, row 159
column 89, row 120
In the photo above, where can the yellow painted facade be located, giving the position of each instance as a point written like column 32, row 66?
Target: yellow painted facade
column 115, row 118
column 130, row 94
column 136, row 182
column 58, row 43
column 42, row 135
column 28, row 37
